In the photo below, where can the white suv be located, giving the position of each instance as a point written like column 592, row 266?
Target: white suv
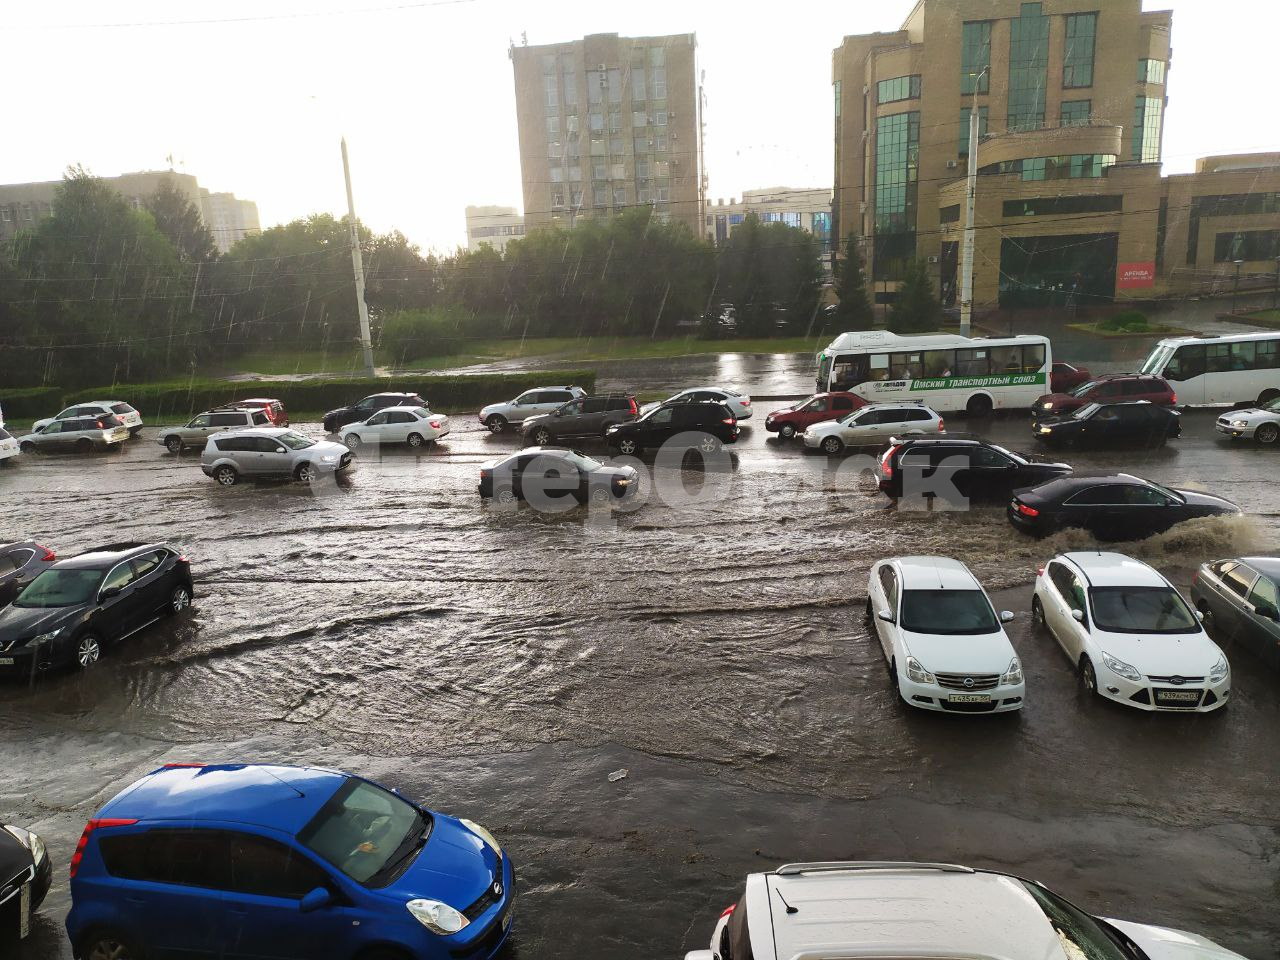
column 498, row 416
column 97, row 408
column 873, row 425
column 270, row 451
column 1129, row 632
column 946, row 648
column 881, row 910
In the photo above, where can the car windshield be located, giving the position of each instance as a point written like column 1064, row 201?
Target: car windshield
column 1087, row 411
column 1084, row 388
column 1015, row 457
column 421, row 412
column 1080, row 936
column 366, row 832
column 295, row 441
column 60, row 588
column 582, row 461
column 1141, row 610
column 957, row 612
column 1173, row 495
column 1273, row 406
column 122, row 408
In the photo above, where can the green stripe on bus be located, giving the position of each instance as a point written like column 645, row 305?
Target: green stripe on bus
column 961, row 383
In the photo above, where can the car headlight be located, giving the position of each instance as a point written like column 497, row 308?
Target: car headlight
column 1014, row 673
column 917, row 673
column 1046, row 406
column 622, row 481
column 483, row 834
column 45, row 637
column 1219, row 670
column 329, row 458
column 32, row 841
column 439, row 918
column 1240, row 424
column 1045, row 430
column 613, row 428
column 1120, row 668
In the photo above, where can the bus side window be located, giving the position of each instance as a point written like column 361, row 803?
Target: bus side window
column 939, row 363
column 1006, row 359
column 972, row 363
column 1217, row 357
column 879, row 366
column 1244, row 355
column 1268, row 357
column 849, row 371
column 1032, row 357
column 1187, row 362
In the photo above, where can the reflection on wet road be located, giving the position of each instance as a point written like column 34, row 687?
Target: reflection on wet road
column 500, row 664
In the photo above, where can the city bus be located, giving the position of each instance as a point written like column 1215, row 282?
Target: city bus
column 948, row 372
column 1219, row 371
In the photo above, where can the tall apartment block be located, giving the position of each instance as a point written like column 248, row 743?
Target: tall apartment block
column 1071, row 205
column 607, row 123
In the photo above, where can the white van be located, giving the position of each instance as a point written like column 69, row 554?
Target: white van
column 1219, row 371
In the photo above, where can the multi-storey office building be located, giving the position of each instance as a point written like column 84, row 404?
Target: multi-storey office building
column 493, row 227
column 805, row 208
column 609, row 122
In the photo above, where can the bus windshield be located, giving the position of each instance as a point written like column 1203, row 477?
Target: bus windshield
column 1157, row 359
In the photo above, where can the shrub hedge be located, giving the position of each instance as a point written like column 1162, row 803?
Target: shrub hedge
column 34, row 402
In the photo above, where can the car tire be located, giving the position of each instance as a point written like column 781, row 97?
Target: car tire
column 832, row 446
column 709, row 445
column 787, row 431
column 505, row 496
column 870, row 613
column 1088, row 676
column 541, row 437
column 108, row 945
column 173, row 444
column 352, row 442
column 1037, row 612
column 84, row 446
column 628, row 447
column 893, row 679
column 27, row 446
column 496, row 423
column 416, row 440
column 1267, row 433
column 226, row 476
column 88, row 650
column 179, row 599
column 601, row 496
column 306, row 473
column 979, row 406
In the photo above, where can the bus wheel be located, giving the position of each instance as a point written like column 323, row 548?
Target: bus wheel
column 979, row 405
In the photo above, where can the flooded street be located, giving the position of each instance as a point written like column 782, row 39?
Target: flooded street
column 500, row 664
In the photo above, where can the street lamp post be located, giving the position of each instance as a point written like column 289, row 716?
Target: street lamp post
column 1235, row 289
column 970, row 205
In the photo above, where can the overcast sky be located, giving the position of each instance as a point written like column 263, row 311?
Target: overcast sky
column 254, row 100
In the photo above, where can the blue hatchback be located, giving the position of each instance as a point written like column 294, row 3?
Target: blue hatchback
column 257, row 862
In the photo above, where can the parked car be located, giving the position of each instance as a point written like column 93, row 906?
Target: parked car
column 1135, row 424
column 1065, row 377
column 128, row 416
column 25, row 875
column 580, row 418
column 70, row 612
column 78, row 434
column 974, row 469
column 1241, row 599
column 885, row 909
column 556, row 473
column 20, row 563
column 1261, row 423
column 196, row 431
column 498, row 416
column 738, row 403
column 268, row 452
column 819, row 408
column 417, row 427
column 274, row 409
column 292, row 863
column 367, row 407
column 1129, row 633
column 872, row 426
column 8, row 446
column 944, row 643
column 1115, row 507
column 707, row 426
column 1112, row 388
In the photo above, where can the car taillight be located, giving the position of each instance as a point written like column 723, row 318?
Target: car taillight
column 729, row 421
column 745, row 402
column 1173, row 397
column 485, row 474
column 102, row 425
column 434, row 424
column 1027, row 511
column 886, row 462
column 634, row 408
column 49, row 555
column 89, row 827
column 728, row 910
column 1039, row 571
column 942, row 425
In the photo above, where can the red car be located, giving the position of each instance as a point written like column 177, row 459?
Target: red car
column 274, row 409
column 817, row 409
column 1112, row 388
column 1067, row 376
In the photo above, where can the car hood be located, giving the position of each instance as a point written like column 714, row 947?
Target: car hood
column 323, row 447
column 455, row 867
column 19, row 622
column 825, row 427
column 778, row 413
column 1165, row 943
column 1248, row 414
column 1216, row 504
column 528, row 422
column 983, row 653
column 1162, row 654
column 337, row 410
column 490, row 408
column 1057, row 398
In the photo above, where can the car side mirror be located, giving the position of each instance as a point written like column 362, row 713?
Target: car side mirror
column 1077, row 616
column 886, row 616
column 110, row 592
column 315, row 900
column 1200, row 615
column 1006, row 616
column 281, row 450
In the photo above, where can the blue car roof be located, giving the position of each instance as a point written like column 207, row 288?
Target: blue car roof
column 279, row 797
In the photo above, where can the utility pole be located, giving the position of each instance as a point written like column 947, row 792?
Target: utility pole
column 357, row 265
column 1235, row 289
column 970, row 204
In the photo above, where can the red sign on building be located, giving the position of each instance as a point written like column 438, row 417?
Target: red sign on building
column 1134, row 276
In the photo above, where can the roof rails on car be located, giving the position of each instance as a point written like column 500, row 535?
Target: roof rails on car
column 836, row 866
column 118, row 547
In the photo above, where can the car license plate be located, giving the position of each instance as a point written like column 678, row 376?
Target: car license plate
column 970, row 698
column 24, row 911
column 1178, row 696
column 6, row 661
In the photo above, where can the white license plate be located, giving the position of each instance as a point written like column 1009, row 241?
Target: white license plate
column 6, row 661
column 1189, row 696
column 970, row 698
column 24, row 912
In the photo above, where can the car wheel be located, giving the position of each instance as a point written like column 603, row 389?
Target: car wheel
column 979, row 405
column 628, row 447
column 27, row 447
column 541, row 437
column 416, row 441
column 173, row 444
column 600, row 496
column 870, row 614
column 1088, row 677
column 787, row 431
column 306, row 473
column 108, row 945
column 88, row 650
column 893, row 679
column 496, row 423
column 1267, row 433
column 1037, row 611
column 709, row 445
column 832, row 445
column 352, row 442
column 179, row 598
column 506, row 496
column 226, row 476
column 84, row 446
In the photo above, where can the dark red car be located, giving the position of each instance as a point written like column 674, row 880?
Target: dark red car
column 1067, row 376
column 1112, row 388
column 274, row 409
column 818, row 408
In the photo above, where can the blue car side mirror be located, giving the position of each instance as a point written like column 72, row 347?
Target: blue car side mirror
column 317, row 899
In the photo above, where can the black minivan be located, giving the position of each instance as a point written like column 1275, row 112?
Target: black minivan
column 703, row 424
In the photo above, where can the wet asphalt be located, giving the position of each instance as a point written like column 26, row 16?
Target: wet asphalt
column 501, row 664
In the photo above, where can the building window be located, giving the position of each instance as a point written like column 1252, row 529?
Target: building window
column 642, row 168
column 619, row 196
column 661, row 168
column 964, row 127
column 575, row 199
column 820, row 225
column 1028, row 66
column 557, row 197
column 658, row 82
column 597, row 146
column 570, row 84
column 899, row 88
column 1148, row 118
column 598, row 171
column 643, row 193
column 1077, row 60
column 639, row 118
column 600, row 195
column 657, row 56
column 1151, row 71
column 660, row 142
column 615, row 122
column 1249, row 245
column 1047, row 206
column 615, row 86
column 1075, row 113
column 897, row 176
column 553, row 127
column 1225, row 205
column 575, row 172
column 595, row 86
column 549, row 64
column 551, row 95
column 659, row 118
column 643, row 145
column 949, row 214
column 662, row 192
column 1072, row 167
column 637, row 84
column 596, row 122
column 975, row 58
column 554, row 150
column 617, row 170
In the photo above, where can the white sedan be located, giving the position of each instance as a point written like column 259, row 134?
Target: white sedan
column 416, row 426
column 873, row 425
column 738, row 403
column 945, row 645
column 1130, row 634
column 1261, row 423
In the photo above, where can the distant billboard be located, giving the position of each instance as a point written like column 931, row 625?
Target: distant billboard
column 1135, row 276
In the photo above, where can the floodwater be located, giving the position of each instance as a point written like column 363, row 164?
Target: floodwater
column 501, row 664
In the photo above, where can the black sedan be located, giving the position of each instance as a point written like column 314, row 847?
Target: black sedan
column 1242, row 599
column 20, row 563
column 1119, row 507
column 1110, row 424
column 547, row 476
column 67, row 614
column 949, row 467
column 25, row 875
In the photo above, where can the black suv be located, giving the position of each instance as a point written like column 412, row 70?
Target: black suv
column 975, row 469
column 335, row 420
column 582, row 417
column 68, row 613
column 712, row 424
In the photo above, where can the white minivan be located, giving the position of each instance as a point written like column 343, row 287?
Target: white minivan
column 1219, row 371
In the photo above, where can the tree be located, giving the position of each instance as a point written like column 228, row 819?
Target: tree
column 179, row 219
column 772, row 275
column 916, row 310
column 854, row 311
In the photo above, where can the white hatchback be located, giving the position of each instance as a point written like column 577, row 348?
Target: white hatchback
column 1129, row 632
column 873, row 425
column 738, row 403
column 945, row 645
column 98, row 408
column 417, row 427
